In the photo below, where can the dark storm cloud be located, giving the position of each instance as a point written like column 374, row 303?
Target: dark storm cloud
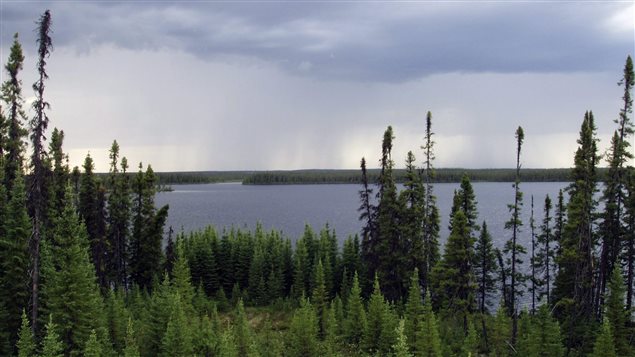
column 367, row 41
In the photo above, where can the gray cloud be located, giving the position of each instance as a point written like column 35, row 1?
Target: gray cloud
column 368, row 41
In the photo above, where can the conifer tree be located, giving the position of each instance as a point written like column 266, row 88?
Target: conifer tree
column 604, row 343
column 303, row 332
column 59, row 177
column 401, row 347
column 431, row 340
column 379, row 335
column 485, row 268
column 629, row 239
column 355, row 323
column 177, row 340
column 319, row 299
column 412, row 199
column 93, row 348
column 52, row 346
column 26, row 342
column 413, row 316
column 131, row 349
column 544, row 260
column 432, row 218
column 513, row 249
column 470, row 344
column 547, row 334
column 243, row 335
column 501, row 333
column 11, row 147
column 118, row 218
column 573, row 292
column 71, row 290
column 367, row 214
column 38, row 126
column 14, row 263
column 533, row 277
column 454, row 275
column 617, row 316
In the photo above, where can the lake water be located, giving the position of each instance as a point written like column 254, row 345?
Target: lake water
column 288, row 208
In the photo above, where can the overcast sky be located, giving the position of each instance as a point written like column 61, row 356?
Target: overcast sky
column 290, row 85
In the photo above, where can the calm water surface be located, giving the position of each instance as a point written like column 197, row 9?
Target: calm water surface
column 289, row 207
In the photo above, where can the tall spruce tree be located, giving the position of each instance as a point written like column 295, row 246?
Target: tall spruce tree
column 533, row 276
column 573, row 291
column 12, row 146
column 413, row 317
column 379, row 336
column 431, row 216
column 26, row 345
column 412, row 200
column 513, row 249
column 543, row 262
column 73, row 297
column 118, row 218
column 485, row 268
column 367, row 214
column 617, row 315
column 355, row 323
column 38, row 126
column 59, row 177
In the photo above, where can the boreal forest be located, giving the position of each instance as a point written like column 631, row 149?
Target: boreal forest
column 89, row 268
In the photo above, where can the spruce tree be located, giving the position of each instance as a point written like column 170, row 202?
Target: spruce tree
column 367, row 214
column 573, row 292
column 500, row 339
column 412, row 200
column 71, row 290
column 431, row 341
column 485, row 268
column 455, row 278
column 38, row 125
column 118, row 219
column 432, row 218
column 59, row 177
column 52, row 346
column 11, row 147
column 303, row 332
column 319, row 299
column 15, row 263
column 547, row 334
column 544, row 260
column 131, row 349
column 513, row 249
column 470, row 344
column 413, row 316
column 26, row 342
column 355, row 323
column 243, row 335
column 401, row 347
column 93, row 348
column 604, row 343
column 379, row 335
column 618, row 317
column 177, row 339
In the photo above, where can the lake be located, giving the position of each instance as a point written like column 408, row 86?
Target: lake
column 288, row 208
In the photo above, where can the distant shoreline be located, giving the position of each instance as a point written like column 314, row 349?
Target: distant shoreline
column 349, row 176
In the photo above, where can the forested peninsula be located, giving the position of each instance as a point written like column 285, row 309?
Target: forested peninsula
column 88, row 268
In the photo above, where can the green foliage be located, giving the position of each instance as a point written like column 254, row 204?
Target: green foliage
column 93, row 348
column 413, row 316
column 379, row 336
column 617, row 316
column 131, row 349
column 52, row 346
column 485, row 268
column 470, row 344
column 178, row 339
column 431, row 342
column 319, row 299
column 302, row 340
column 546, row 331
column 500, row 338
column 604, row 345
column 401, row 347
column 26, row 343
column 355, row 323
column 243, row 336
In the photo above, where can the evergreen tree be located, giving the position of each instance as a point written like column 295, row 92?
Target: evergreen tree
column 14, row 262
column 59, row 177
column 320, row 299
column 501, row 333
column 432, row 218
column 118, row 218
column 93, row 348
column 401, row 347
column 90, row 213
column 379, row 336
column 355, row 323
column 243, row 335
column 413, row 316
column 544, row 260
column 573, row 292
column 131, row 349
column 604, row 343
column 618, row 317
column 368, row 214
column 485, row 268
column 412, row 199
column 431, row 341
column 303, row 332
column 52, row 346
column 533, row 277
column 547, row 334
column 26, row 343
column 11, row 94
column 629, row 239
column 456, row 284
column 177, row 340
column 38, row 126
column 470, row 345
column 512, row 247
column 71, row 290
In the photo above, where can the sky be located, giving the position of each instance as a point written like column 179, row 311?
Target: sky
column 264, row 85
